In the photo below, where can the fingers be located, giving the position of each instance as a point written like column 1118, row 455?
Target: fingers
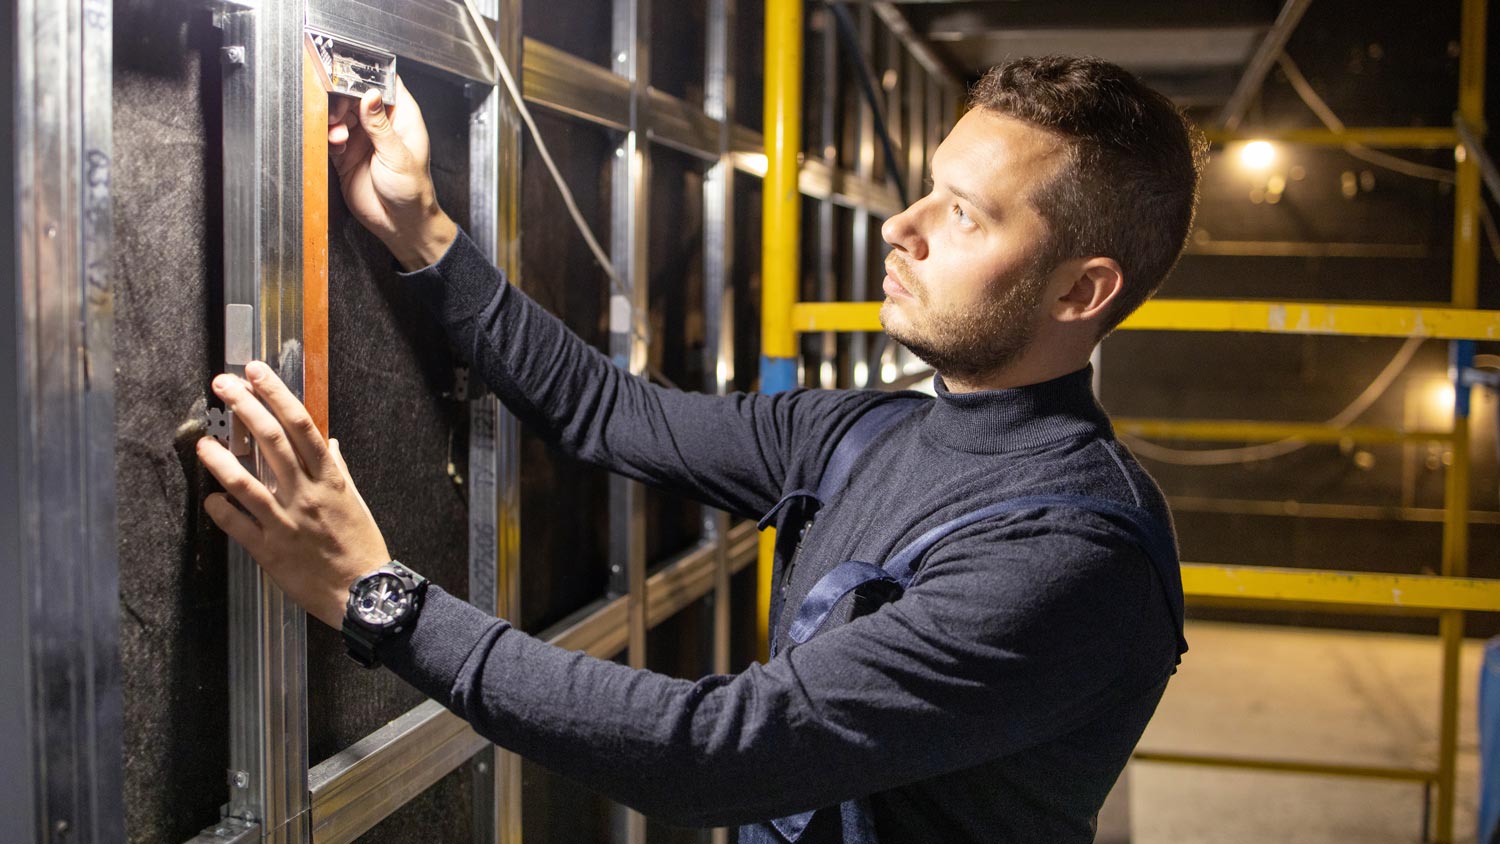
column 337, row 455
column 237, row 481
column 233, row 521
column 338, row 108
column 353, row 152
column 302, row 432
column 267, row 431
column 377, row 124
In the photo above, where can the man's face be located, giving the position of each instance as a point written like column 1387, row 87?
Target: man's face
column 964, row 278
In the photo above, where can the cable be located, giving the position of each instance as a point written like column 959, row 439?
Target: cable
column 1320, row 108
column 637, row 330
column 1280, row 448
column 856, row 56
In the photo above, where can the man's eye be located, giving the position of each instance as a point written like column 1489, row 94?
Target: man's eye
column 962, row 217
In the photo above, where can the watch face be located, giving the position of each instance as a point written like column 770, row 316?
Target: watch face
column 381, row 600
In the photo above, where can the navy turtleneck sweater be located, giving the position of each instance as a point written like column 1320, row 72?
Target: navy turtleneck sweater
column 996, row 701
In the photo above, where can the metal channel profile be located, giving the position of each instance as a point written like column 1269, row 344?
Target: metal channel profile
column 263, row 144
column 629, row 236
column 579, row 88
column 359, row 786
column 718, row 257
column 573, row 86
column 63, row 768
column 438, row 33
column 494, row 434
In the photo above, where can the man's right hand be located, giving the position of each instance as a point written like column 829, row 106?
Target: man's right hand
column 381, row 156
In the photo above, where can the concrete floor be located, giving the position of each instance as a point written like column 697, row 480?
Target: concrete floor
column 1360, row 698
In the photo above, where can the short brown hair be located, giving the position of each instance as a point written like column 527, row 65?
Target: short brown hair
column 1130, row 186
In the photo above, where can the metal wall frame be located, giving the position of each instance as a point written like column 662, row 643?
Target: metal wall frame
column 63, row 761
column 274, row 795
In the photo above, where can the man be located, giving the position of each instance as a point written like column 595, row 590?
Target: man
column 1000, row 696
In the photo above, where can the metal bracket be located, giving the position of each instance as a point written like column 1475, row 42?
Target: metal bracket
column 229, row 831
column 227, row 429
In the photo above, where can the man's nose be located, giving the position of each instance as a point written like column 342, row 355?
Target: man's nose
column 904, row 232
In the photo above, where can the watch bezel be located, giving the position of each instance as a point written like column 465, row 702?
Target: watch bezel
column 409, row 582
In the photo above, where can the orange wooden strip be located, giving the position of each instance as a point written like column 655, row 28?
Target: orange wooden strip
column 314, row 245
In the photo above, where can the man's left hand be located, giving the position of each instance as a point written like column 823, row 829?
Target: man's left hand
column 309, row 529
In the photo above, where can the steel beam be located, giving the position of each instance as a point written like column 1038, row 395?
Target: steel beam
column 1382, row 137
column 1234, row 430
column 63, row 757
column 1277, row 586
column 263, row 230
column 1442, row 323
column 1260, row 64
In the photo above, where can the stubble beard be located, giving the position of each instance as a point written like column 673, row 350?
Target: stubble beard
column 967, row 344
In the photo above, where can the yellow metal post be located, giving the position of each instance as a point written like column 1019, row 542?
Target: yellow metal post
column 780, row 235
column 1456, row 489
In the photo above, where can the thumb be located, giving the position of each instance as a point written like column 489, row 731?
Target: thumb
column 377, row 125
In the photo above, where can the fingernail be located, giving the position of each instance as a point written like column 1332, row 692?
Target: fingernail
column 375, row 102
column 256, row 370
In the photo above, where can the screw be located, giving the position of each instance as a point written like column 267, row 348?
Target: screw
column 239, row 779
column 621, row 57
column 234, row 55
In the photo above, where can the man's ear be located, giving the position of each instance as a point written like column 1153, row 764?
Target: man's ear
column 1096, row 283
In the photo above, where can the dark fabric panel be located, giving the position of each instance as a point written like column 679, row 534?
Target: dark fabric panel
column 557, row 810
column 564, row 505
column 580, row 27
column 749, row 46
column 679, row 44
column 399, row 426
column 166, row 269
column 443, row 814
column 675, row 256
column 745, row 283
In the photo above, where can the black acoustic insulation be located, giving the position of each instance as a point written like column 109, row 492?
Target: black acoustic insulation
column 404, row 434
column 579, row 27
column 745, row 284
column 679, row 48
column 166, row 269
column 564, row 505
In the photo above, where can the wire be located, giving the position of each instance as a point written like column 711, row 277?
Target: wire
column 855, row 55
column 1280, row 448
column 1320, row 108
column 637, row 329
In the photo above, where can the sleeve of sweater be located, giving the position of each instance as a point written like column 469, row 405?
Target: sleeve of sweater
column 733, row 452
column 1008, row 639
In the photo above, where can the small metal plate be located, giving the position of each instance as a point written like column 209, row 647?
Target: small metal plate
column 348, row 68
column 239, row 334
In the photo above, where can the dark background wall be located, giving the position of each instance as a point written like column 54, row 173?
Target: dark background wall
column 1375, row 65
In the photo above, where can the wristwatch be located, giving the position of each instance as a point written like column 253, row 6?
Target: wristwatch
column 382, row 604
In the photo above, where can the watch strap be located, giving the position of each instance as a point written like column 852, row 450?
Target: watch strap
column 361, row 644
